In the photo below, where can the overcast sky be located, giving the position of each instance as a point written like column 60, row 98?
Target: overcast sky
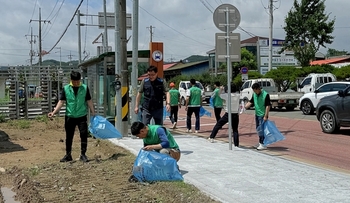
column 185, row 27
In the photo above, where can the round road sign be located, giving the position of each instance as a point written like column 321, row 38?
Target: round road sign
column 244, row 70
column 219, row 17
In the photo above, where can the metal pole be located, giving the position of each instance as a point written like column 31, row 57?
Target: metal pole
column 125, row 71
column 40, row 49
column 270, row 35
column 79, row 36
column 105, row 45
column 229, row 78
column 118, row 99
column 258, row 55
column 135, row 56
column 31, row 47
column 58, row 81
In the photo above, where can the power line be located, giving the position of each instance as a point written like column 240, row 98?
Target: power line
column 65, row 30
column 171, row 27
column 54, row 19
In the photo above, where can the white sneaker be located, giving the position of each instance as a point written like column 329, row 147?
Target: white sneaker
column 261, row 147
column 196, row 131
column 174, row 125
column 211, row 140
column 188, row 131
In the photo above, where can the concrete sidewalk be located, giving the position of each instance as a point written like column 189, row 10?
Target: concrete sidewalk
column 246, row 175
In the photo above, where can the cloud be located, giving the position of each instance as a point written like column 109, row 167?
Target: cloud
column 185, row 27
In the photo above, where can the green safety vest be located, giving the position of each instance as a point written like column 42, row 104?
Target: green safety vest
column 259, row 103
column 218, row 102
column 76, row 105
column 174, row 97
column 195, row 97
column 152, row 137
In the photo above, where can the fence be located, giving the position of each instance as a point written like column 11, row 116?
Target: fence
column 33, row 91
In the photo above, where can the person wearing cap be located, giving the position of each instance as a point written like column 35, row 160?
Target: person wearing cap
column 174, row 104
column 78, row 99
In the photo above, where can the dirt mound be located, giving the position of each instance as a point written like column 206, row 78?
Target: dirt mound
column 33, row 171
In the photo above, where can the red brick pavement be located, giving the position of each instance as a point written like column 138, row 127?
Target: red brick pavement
column 304, row 139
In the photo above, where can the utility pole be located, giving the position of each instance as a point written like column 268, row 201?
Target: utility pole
column 135, row 56
column 70, row 57
column 105, row 37
column 40, row 46
column 151, row 32
column 270, row 34
column 32, row 41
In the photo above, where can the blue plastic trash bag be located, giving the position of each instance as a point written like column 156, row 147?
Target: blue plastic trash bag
column 101, row 128
column 271, row 133
column 153, row 166
column 165, row 113
column 203, row 112
column 211, row 102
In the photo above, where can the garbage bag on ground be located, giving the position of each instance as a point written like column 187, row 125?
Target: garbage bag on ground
column 203, row 112
column 153, row 166
column 271, row 133
column 101, row 128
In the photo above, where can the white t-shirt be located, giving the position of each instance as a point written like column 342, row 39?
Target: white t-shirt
column 235, row 107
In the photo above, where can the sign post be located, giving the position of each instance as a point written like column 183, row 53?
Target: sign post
column 227, row 18
column 244, row 71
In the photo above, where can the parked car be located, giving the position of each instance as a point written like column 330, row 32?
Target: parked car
column 333, row 111
column 309, row 101
column 314, row 80
column 183, row 88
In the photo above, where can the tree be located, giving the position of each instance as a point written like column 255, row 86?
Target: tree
column 334, row 52
column 284, row 77
column 307, row 28
column 247, row 60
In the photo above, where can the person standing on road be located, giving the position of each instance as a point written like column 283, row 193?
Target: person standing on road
column 193, row 105
column 234, row 114
column 156, row 137
column 154, row 89
column 78, row 99
column 217, row 101
column 174, row 104
column 262, row 105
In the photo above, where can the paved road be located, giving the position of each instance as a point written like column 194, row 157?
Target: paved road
column 304, row 139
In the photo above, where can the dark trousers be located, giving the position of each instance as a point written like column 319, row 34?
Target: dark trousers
column 69, row 126
column 190, row 111
column 258, row 122
column 174, row 110
column 223, row 120
column 156, row 114
column 217, row 112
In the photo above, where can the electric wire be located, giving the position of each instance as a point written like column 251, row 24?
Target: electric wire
column 65, row 30
column 54, row 19
column 32, row 15
column 171, row 27
column 86, row 21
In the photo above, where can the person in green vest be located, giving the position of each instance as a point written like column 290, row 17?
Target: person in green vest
column 174, row 104
column 217, row 101
column 77, row 98
column 156, row 137
column 262, row 105
column 193, row 105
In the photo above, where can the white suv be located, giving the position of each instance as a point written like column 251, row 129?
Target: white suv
column 183, row 88
column 309, row 101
